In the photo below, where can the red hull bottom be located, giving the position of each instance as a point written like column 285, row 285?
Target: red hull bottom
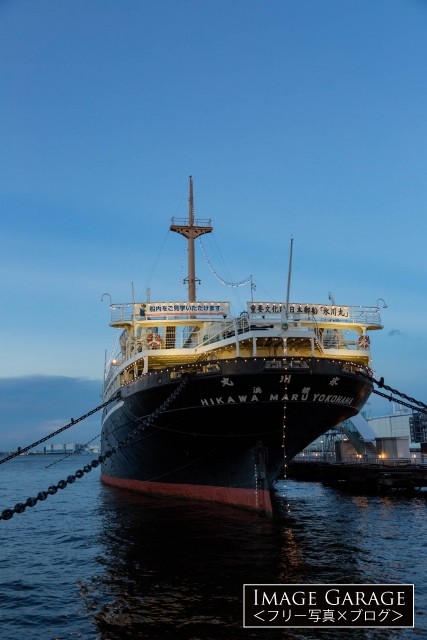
column 255, row 499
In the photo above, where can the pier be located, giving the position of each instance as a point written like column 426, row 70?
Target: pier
column 382, row 477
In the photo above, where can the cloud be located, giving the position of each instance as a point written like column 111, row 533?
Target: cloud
column 396, row 333
column 33, row 406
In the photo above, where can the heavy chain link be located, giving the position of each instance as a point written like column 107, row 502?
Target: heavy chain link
column 7, row 514
column 55, row 433
column 412, row 403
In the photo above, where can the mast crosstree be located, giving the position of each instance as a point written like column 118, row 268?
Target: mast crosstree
column 191, row 229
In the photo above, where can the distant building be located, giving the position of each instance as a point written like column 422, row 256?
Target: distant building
column 94, row 449
column 395, row 447
column 418, row 428
column 69, row 448
column 395, row 436
column 62, row 448
column 395, row 425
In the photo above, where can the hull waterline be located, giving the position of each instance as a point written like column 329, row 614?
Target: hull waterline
column 226, row 437
column 205, row 404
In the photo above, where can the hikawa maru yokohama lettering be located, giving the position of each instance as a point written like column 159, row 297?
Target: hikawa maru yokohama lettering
column 257, row 395
column 274, row 397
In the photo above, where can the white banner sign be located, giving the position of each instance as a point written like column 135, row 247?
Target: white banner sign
column 184, row 309
column 303, row 309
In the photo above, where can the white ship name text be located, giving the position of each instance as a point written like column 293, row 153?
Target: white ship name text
column 276, row 397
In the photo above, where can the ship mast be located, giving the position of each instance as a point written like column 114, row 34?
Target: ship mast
column 191, row 229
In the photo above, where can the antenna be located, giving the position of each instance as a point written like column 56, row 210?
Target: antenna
column 288, row 291
column 253, row 287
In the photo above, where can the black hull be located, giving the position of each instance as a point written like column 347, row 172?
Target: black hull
column 226, row 435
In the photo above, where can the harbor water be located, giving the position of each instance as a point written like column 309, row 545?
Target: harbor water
column 95, row 562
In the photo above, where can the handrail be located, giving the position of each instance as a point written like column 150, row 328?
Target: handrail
column 127, row 313
column 199, row 222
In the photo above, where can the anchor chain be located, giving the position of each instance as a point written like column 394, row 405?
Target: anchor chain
column 55, row 433
column 20, row 507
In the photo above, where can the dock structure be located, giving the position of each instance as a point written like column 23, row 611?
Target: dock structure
column 373, row 478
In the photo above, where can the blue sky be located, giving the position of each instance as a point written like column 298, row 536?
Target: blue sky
column 302, row 118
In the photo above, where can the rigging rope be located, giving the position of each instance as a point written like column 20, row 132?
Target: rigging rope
column 20, row 507
column 73, row 453
column 55, row 433
column 154, row 267
column 113, row 351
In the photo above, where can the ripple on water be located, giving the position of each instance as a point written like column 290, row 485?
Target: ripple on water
column 97, row 563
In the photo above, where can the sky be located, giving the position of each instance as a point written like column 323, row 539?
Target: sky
column 301, row 119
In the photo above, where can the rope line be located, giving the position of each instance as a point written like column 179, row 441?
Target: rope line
column 72, row 422
column 20, row 507
column 72, row 453
column 113, row 351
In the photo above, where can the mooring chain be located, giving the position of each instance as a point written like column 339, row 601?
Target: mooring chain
column 7, row 514
column 55, row 433
column 398, row 401
column 381, row 384
column 421, row 407
column 20, row 507
column 145, row 422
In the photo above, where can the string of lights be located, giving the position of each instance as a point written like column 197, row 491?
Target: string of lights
column 218, row 277
column 113, row 351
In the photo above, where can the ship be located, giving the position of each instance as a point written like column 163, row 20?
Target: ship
column 205, row 404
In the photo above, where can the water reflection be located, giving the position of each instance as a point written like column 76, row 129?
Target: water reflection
column 171, row 569
column 177, row 569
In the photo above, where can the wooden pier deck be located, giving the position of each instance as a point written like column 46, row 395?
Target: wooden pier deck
column 378, row 477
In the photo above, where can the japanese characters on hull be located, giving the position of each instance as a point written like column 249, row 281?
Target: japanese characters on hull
column 256, row 394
